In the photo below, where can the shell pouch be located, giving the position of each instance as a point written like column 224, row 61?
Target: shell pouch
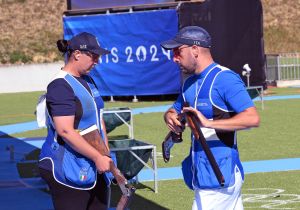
column 187, row 171
column 78, row 169
column 206, row 175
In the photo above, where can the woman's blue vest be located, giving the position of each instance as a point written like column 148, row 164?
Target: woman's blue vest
column 69, row 167
column 197, row 171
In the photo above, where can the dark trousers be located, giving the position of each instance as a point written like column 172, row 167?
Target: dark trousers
column 65, row 198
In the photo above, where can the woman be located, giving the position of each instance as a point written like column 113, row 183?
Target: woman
column 68, row 163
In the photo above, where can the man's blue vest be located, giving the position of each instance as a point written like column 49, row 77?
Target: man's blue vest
column 197, row 171
column 69, row 167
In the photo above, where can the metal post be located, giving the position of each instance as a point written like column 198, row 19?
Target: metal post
column 248, row 79
column 246, row 73
column 131, row 134
column 135, row 99
column 112, row 99
column 297, row 66
column 155, row 170
column 278, row 67
column 262, row 97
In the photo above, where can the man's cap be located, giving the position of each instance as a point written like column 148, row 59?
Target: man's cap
column 189, row 35
column 86, row 42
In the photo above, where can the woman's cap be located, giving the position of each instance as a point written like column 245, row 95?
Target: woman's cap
column 87, row 42
column 189, row 35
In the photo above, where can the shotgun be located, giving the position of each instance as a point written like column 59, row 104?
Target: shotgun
column 194, row 123
column 172, row 138
column 93, row 137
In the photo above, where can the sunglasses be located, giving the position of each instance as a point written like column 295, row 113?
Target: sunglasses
column 92, row 55
column 177, row 51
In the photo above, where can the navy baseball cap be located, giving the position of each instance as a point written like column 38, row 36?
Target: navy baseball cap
column 189, row 35
column 87, row 42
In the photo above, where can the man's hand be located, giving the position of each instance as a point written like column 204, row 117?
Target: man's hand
column 172, row 121
column 204, row 122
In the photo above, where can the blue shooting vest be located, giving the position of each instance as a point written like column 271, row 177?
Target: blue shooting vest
column 69, row 167
column 196, row 169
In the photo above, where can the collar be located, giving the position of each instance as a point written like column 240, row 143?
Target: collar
column 206, row 70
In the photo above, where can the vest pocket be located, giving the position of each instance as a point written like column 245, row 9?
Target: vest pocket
column 187, row 171
column 206, row 176
column 78, row 170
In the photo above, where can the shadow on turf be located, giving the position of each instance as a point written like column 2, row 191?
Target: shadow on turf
column 137, row 202
column 25, row 160
column 24, row 156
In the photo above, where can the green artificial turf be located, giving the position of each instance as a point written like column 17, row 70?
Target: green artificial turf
column 276, row 138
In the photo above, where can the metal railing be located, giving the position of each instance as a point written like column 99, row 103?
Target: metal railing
column 284, row 66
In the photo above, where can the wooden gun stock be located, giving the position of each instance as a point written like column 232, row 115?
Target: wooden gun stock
column 193, row 123
column 93, row 137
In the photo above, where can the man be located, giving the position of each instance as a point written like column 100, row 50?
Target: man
column 218, row 97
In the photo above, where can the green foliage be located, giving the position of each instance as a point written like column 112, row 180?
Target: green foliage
column 16, row 56
column 11, row 1
column 40, row 22
column 279, row 39
column 2, row 59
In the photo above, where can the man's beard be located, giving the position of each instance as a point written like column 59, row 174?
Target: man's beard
column 186, row 70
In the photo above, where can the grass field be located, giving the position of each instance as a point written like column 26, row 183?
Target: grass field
column 276, row 138
column 277, row 190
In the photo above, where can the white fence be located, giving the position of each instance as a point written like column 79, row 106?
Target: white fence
column 27, row 78
column 283, row 67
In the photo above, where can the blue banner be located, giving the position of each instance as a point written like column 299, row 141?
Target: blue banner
column 137, row 64
column 96, row 4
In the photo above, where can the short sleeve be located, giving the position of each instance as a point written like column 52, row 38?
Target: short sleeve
column 178, row 104
column 230, row 88
column 60, row 98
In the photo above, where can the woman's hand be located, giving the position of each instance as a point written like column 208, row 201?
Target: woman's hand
column 103, row 163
